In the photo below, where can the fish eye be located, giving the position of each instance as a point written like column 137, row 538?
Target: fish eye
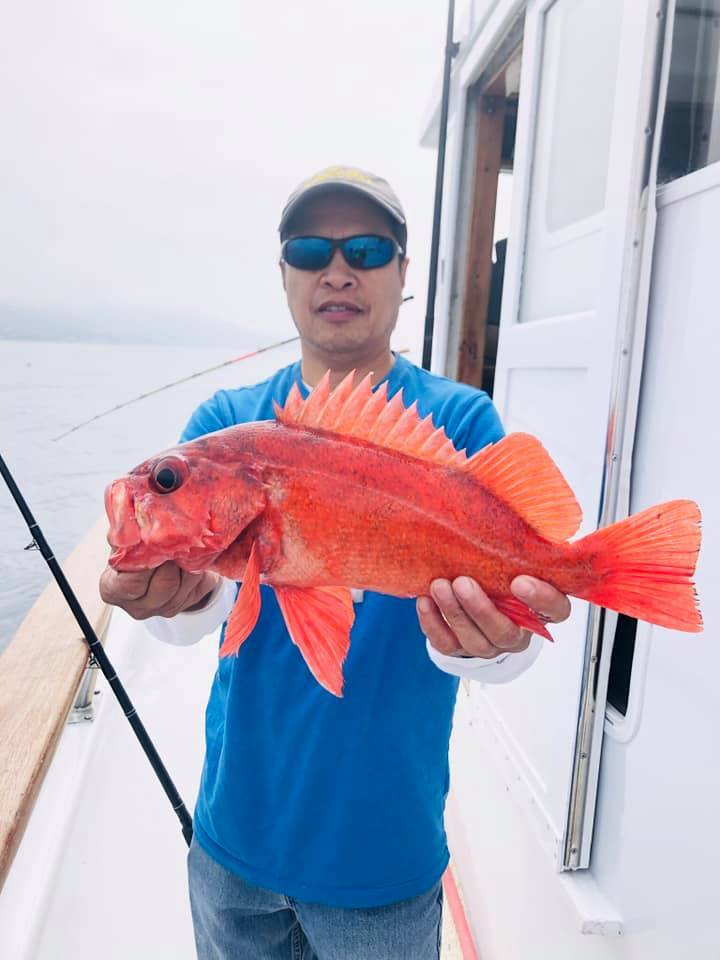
column 168, row 476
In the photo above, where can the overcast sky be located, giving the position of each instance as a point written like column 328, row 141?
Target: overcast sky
column 148, row 147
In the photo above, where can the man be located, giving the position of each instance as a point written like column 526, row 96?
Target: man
column 319, row 823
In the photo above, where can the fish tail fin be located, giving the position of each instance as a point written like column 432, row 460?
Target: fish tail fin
column 643, row 566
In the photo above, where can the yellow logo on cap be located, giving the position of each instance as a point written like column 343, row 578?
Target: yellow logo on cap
column 338, row 173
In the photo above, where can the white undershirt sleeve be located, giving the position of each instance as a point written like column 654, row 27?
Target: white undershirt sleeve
column 187, row 628
column 501, row 669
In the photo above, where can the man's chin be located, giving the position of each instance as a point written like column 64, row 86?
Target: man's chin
column 341, row 338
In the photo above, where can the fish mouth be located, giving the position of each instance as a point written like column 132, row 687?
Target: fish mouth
column 120, row 508
column 142, row 539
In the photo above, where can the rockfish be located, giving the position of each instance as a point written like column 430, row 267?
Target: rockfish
column 350, row 489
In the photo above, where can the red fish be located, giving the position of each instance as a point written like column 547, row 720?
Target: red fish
column 350, row 489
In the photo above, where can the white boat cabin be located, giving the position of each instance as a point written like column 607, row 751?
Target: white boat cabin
column 578, row 285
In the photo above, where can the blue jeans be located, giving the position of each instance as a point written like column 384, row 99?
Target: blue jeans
column 236, row 921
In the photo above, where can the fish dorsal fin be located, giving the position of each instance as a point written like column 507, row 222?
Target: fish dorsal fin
column 365, row 414
column 517, row 469
column 520, row 472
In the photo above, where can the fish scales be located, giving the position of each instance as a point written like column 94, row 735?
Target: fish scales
column 397, row 522
column 352, row 490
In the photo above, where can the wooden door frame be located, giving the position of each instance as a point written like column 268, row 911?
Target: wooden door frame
column 488, row 107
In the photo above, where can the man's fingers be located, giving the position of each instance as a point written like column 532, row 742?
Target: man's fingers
column 164, row 584
column 201, row 589
column 435, row 628
column 499, row 629
column 116, row 587
column 164, row 591
column 542, row 598
column 466, row 617
column 193, row 588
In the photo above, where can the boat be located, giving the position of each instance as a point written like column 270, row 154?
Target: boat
column 576, row 282
column 91, row 855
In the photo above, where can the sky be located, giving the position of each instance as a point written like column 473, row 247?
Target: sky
column 148, row 148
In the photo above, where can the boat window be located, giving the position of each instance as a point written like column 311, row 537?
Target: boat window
column 691, row 125
column 581, row 48
column 583, row 38
column 621, row 663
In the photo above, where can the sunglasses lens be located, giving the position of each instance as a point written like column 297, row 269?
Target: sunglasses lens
column 367, row 253
column 308, row 253
column 361, row 252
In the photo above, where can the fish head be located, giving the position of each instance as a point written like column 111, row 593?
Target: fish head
column 181, row 505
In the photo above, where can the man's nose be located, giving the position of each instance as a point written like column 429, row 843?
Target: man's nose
column 338, row 274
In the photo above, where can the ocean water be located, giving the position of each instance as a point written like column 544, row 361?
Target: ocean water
column 46, row 388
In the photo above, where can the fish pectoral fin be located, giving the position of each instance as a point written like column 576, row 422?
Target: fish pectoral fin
column 246, row 611
column 521, row 615
column 318, row 620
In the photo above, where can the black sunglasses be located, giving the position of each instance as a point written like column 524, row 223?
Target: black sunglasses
column 362, row 252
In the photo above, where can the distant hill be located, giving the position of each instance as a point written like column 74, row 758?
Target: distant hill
column 115, row 325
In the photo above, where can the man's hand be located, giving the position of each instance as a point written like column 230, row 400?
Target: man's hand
column 162, row 592
column 459, row 619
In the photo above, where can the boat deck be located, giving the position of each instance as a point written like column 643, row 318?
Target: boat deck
column 103, row 858
column 451, row 949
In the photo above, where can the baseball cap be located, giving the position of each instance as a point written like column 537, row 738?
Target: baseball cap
column 351, row 178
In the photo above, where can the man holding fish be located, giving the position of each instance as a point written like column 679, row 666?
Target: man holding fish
column 319, row 823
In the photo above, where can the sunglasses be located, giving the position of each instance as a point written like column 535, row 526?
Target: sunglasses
column 362, row 252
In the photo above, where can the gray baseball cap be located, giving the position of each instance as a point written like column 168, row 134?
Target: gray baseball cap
column 360, row 181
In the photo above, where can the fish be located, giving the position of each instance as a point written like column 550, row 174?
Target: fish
column 352, row 489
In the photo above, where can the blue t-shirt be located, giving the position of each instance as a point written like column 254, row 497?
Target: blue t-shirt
column 334, row 801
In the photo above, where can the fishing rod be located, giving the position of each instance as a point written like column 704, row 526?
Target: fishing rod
column 451, row 49
column 99, row 657
column 192, row 376
column 175, row 383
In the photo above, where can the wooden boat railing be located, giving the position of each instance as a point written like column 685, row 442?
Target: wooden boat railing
column 40, row 672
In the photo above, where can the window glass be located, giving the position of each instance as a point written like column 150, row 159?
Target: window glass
column 583, row 38
column 691, row 126
column 621, row 663
column 573, row 132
